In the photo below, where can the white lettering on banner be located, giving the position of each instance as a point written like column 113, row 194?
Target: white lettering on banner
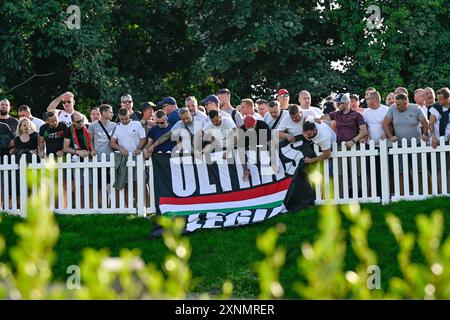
column 230, row 219
column 254, row 175
column 224, row 176
column 219, row 220
column 244, row 217
column 260, row 215
column 184, row 183
column 265, row 169
column 211, row 220
column 205, row 185
column 275, row 211
column 192, row 222
column 187, row 175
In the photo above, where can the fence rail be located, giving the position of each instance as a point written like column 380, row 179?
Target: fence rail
column 363, row 173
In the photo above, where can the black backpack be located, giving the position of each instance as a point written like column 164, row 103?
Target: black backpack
column 444, row 118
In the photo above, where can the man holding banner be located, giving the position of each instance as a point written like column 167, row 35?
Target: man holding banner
column 214, row 193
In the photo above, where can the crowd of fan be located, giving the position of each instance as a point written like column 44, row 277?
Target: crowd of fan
column 342, row 118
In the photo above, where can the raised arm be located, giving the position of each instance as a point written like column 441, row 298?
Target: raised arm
column 54, row 104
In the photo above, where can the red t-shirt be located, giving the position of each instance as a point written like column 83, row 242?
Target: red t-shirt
column 347, row 125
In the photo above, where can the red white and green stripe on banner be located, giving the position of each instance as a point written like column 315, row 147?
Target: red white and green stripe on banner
column 263, row 197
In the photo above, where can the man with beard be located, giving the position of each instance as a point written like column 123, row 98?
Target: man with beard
column 5, row 107
column 51, row 136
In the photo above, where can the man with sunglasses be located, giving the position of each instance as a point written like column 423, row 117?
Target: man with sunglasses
column 161, row 128
column 76, row 137
column 126, row 101
column 283, row 98
column 68, row 101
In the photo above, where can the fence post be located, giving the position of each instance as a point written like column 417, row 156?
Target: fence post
column 384, row 167
column 141, row 206
column 151, row 182
column 23, row 185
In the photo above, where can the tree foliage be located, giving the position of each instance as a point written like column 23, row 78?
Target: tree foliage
column 180, row 47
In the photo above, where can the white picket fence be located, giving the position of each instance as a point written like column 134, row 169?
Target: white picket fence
column 366, row 173
column 363, row 173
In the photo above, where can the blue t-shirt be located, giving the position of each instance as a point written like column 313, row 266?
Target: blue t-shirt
column 157, row 132
column 174, row 117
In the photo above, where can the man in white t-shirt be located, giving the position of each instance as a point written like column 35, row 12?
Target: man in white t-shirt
column 248, row 109
column 129, row 136
column 439, row 117
column 192, row 104
column 68, row 101
column 275, row 115
column 224, row 96
column 220, row 132
column 24, row 111
column 304, row 98
column 374, row 116
column 322, row 135
column 263, row 108
column 292, row 126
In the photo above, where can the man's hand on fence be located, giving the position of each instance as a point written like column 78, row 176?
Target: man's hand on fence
column 393, row 139
column 349, row 144
column 434, row 142
column 124, row 152
column 60, row 153
column 84, row 153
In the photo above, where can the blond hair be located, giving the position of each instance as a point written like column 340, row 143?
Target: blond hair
column 19, row 130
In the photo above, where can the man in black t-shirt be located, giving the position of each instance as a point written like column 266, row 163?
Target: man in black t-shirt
column 6, row 136
column 256, row 134
column 51, row 136
column 262, row 130
column 5, row 107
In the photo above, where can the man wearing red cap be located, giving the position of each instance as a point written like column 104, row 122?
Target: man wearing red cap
column 263, row 137
column 261, row 128
column 283, row 99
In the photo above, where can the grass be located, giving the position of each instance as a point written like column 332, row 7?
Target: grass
column 229, row 254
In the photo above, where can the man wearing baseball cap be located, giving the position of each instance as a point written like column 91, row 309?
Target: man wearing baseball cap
column 212, row 102
column 148, row 110
column 261, row 128
column 283, row 98
column 355, row 103
column 350, row 125
column 169, row 105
